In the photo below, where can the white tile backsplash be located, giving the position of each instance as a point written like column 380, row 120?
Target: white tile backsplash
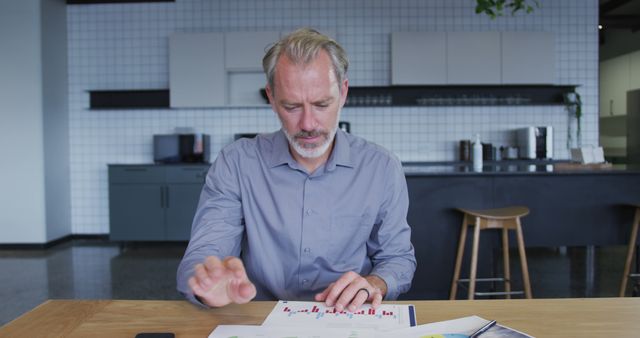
column 125, row 46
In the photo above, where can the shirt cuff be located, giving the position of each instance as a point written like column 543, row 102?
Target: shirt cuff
column 392, row 285
column 196, row 300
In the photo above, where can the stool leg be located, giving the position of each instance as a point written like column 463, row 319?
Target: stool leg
column 523, row 260
column 474, row 259
column 630, row 252
column 456, row 270
column 505, row 261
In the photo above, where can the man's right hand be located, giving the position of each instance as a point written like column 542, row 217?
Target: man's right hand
column 218, row 283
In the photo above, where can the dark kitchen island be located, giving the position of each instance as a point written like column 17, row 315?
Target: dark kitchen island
column 569, row 207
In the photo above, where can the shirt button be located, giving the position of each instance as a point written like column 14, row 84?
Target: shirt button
column 305, row 281
column 308, row 212
column 307, row 250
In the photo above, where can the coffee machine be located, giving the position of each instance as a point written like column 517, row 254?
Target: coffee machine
column 535, row 142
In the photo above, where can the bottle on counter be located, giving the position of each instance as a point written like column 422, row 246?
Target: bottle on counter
column 477, row 155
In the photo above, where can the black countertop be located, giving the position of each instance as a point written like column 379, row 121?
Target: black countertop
column 514, row 167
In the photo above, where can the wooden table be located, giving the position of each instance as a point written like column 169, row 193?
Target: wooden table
column 592, row 317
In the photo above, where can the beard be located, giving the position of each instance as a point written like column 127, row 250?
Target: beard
column 311, row 150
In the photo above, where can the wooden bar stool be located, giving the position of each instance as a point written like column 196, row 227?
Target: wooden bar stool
column 502, row 218
column 630, row 252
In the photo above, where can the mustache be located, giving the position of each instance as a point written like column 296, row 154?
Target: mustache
column 311, row 133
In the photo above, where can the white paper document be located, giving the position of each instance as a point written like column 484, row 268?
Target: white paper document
column 254, row 331
column 315, row 314
column 461, row 327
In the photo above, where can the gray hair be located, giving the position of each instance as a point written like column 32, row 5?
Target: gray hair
column 302, row 47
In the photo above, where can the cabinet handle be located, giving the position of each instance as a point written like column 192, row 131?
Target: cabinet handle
column 166, row 197
column 135, row 169
column 610, row 107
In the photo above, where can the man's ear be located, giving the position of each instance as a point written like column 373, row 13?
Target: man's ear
column 267, row 89
column 270, row 96
column 344, row 90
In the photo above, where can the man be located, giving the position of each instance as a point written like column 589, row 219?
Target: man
column 308, row 212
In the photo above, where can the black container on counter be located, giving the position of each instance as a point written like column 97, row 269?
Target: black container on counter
column 488, row 152
column 465, row 150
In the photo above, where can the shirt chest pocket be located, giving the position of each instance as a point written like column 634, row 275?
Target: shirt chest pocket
column 348, row 238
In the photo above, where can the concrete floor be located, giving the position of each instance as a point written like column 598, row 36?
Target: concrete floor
column 97, row 269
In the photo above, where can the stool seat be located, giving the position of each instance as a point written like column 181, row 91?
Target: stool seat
column 499, row 213
column 504, row 219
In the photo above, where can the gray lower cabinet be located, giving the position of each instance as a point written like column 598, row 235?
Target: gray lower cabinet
column 153, row 202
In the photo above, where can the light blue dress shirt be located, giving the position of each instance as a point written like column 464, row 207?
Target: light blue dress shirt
column 298, row 232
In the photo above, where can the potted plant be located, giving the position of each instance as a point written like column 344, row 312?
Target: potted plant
column 495, row 8
column 573, row 104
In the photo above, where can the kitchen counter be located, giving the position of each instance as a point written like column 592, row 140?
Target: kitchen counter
column 515, row 167
column 570, row 206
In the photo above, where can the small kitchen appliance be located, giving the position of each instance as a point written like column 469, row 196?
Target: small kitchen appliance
column 181, row 148
column 535, row 142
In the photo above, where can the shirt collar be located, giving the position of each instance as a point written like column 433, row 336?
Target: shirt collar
column 340, row 155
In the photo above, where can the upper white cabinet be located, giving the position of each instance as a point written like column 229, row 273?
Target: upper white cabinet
column 197, row 76
column 418, row 58
column 243, row 65
column 473, row 58
column 244, row 50
column 614, row 84
column 462, row 58
column 528, row 58
column 217, row 69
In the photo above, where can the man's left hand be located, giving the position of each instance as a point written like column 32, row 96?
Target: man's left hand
column 347, row 293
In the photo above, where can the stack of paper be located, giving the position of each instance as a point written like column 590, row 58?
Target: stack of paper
column 315, row 320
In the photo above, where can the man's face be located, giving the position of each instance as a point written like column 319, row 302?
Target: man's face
column 308, row 99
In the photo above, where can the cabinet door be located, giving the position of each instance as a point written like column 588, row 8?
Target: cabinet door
column 605, row 88
column 528, row 58
column 184, row 184
column 473, row 58
column 136, row 212
column 244, row 50
column 634, row 70
column 182, row 201
column 197, row 76
column 615, row 84
column 418, row 58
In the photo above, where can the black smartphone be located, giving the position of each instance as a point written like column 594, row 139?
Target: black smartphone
column 155, row 335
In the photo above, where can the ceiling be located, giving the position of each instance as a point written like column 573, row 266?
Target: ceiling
column 620, row 14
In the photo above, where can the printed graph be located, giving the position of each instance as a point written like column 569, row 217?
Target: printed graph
column 386, row 316
column 319, row 314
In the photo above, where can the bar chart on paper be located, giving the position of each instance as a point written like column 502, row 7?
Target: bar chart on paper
column 385, row 317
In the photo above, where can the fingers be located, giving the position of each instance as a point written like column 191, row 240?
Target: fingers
column 235, row 266
column 377, row 299
column 219, row 282
column 346, row 292
column 338, row 287
column 360, row 298
column 320, row 297
column 241, row 292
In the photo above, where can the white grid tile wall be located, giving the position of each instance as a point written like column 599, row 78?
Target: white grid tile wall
column 125, row 46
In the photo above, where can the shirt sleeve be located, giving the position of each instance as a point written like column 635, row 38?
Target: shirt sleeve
column 390, row 245
column 218, row 224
